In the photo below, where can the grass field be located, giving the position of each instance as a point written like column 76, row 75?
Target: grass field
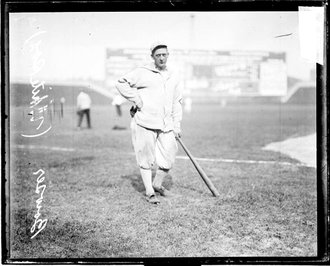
column 94, row 199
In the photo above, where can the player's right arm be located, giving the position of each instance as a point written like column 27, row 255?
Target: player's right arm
column 127, row 87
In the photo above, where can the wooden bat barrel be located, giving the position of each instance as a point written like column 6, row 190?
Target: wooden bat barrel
column 200, row 170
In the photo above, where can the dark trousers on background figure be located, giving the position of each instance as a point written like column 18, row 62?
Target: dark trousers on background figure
column 81, row 114
column 118, row 110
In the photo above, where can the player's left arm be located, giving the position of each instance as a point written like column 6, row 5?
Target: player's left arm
column 177, row 108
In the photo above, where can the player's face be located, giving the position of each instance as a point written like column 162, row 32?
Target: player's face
column 160, row 57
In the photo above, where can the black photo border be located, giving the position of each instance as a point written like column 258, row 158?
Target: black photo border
column 322, row 119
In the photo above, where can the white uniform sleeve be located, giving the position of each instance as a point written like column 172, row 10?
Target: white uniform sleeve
column 89, row 101
column 79, row 102
column 127, row 87
column 177, row 107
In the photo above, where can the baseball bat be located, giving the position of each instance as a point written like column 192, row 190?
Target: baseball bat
column 199, row 170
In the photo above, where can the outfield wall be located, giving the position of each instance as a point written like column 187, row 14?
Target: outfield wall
column 21, row 93
column 220, row 73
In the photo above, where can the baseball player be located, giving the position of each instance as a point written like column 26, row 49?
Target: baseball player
column 83, row 108
column 156, row 93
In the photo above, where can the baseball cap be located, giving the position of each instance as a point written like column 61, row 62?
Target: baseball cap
column 157, row 45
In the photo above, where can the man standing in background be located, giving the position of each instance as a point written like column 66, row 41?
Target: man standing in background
column 83, row 108
column 157, row 95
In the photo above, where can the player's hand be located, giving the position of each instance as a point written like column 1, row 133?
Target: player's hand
column 177, row 134
column 139, row 105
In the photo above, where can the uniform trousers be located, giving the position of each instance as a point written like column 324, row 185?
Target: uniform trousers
column 153, row 146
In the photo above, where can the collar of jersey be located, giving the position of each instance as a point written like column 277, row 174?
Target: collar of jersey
column 154, row 69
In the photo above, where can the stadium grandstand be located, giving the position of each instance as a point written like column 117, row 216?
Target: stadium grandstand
column 225, row 77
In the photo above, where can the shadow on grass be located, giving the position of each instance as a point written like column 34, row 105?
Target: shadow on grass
column 137, row 183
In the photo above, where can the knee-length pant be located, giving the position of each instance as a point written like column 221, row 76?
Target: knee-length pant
column 153, row 147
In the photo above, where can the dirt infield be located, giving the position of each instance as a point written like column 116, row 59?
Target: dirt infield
column 301, row 148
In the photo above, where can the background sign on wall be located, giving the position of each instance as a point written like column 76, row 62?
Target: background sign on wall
column 212, row 73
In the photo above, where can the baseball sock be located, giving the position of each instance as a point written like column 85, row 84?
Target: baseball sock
column 160, row 175
column 147, row 180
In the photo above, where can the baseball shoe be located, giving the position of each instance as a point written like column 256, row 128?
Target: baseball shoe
column 152, row 199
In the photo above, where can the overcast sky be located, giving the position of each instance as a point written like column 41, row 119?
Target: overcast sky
column 73, row 45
